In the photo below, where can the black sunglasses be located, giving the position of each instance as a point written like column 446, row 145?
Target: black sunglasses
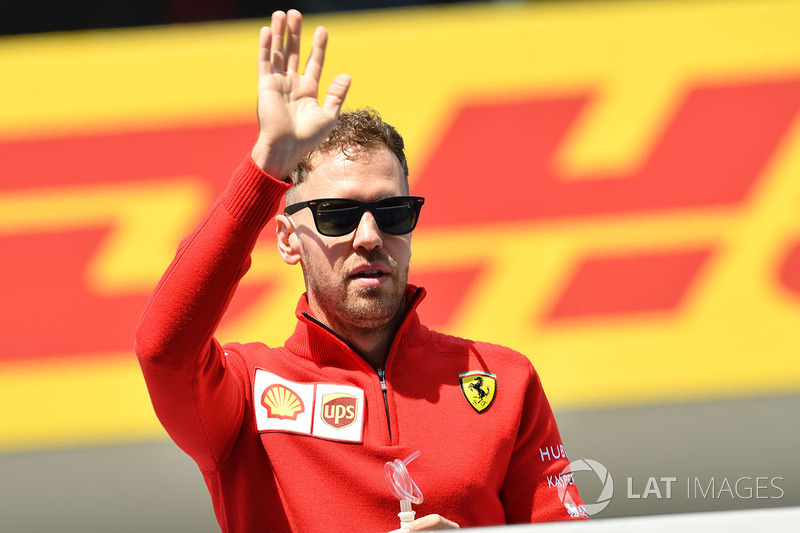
column 335, row 217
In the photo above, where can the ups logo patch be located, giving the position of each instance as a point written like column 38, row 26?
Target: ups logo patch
column 339, row 409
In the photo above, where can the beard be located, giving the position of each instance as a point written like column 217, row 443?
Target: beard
column 348, row 307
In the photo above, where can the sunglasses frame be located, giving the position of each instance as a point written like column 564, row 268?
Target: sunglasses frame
column 416, row 203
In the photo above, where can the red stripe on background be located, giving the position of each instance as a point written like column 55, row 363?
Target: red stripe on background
column 210, row 153
column 447, row 289
column 496, row 161
column 789, row 273
column 48, row 308
column 621, row 284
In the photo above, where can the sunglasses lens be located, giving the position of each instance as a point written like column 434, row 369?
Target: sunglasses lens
column 335, row 218
column 396, row 216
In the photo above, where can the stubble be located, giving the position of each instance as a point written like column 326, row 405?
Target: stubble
column 349, row 307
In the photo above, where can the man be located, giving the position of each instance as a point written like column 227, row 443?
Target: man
column 296, row 438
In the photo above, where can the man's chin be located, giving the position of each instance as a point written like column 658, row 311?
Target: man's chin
column 375, row 306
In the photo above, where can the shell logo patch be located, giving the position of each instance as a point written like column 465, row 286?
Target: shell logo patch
column 282, row 402
column 479, row 388
column 339, row 409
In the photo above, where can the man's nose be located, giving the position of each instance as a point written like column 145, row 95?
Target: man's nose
column 368, row 235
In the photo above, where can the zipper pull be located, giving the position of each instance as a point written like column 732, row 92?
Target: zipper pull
column 382, row 377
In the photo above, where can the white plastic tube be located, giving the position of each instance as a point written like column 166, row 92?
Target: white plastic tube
column 403, row 487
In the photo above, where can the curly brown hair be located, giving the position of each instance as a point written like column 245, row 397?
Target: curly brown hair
column 355, row 131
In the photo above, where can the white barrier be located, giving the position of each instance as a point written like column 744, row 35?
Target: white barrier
column 744, row 521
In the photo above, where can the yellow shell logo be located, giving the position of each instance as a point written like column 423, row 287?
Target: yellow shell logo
column 282, row 402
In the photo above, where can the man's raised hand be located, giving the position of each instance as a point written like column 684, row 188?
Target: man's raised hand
column 291, row 121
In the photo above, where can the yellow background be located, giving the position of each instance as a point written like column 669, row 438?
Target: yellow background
column 735, row 335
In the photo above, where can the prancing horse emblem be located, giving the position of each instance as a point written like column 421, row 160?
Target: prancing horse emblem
column 479, row 388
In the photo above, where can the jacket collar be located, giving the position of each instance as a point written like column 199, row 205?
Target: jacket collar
column 316, row 341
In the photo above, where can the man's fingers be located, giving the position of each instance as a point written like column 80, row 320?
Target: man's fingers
column 278, row 26
column 337, row 91
column 432, row 522
column 264, row 42
column 317, row 57
column 294, row 24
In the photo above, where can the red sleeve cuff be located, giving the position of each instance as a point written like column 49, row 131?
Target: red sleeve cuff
column 253, row 196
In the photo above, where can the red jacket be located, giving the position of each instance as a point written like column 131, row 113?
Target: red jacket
column 296, row 438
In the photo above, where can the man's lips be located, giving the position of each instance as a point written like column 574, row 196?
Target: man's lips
column 371, row 271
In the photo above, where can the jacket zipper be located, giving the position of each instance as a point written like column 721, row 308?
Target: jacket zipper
column 332, row 332
column 381, row 371
column 382, row 378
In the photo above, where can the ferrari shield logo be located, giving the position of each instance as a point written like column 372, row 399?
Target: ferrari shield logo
column 479, row 388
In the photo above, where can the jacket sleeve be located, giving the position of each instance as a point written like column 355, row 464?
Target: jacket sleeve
column 536, row 487
column 196, row 396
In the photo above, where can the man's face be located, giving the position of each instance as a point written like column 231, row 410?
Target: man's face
column 356, row 281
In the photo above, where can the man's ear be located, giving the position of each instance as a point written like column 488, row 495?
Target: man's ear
column 288, row 240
